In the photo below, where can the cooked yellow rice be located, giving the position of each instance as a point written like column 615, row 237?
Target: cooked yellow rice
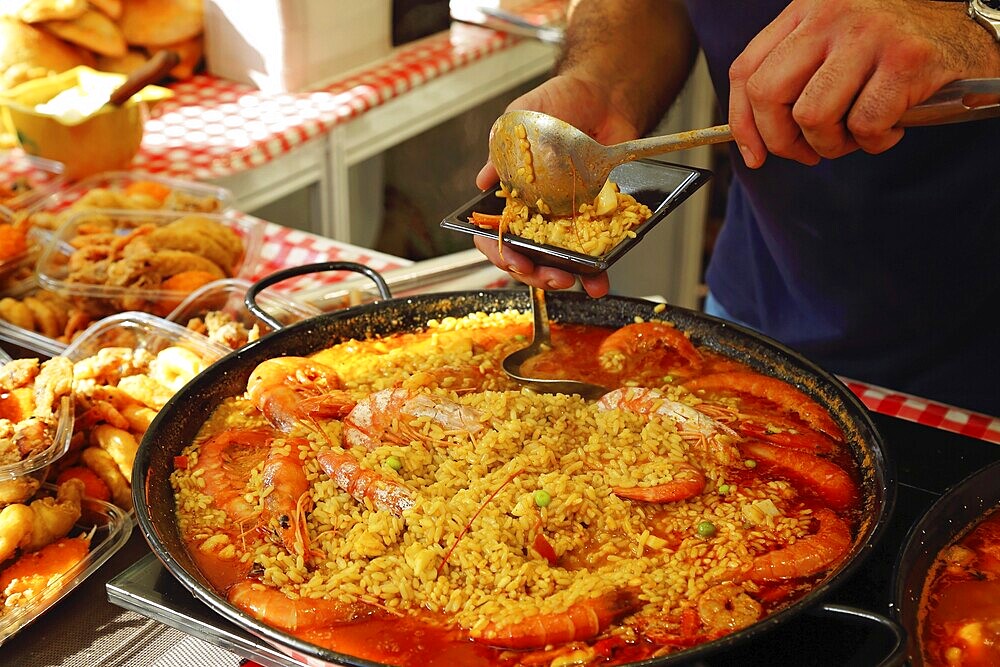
column 586, row 232
column 557, row 443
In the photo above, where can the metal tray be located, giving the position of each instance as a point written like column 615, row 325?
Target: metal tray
column 662, row 186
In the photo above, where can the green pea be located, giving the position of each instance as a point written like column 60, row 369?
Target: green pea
column 542, row 498
column 750, row 463
column 394, row 463
column 724, row 489
column 705, row 529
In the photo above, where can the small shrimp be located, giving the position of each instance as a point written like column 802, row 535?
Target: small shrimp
column 226, row 461
column 18, row 373
column 286, row 498
column 385, row 494
column 31, row 527
column 635, row 340
column 120, row 444
column 771, row 389
column 54, row 380
column 277, row 609
column 644, row 401
column 100, row 412
column 289, row 391
column 18, row 490
column 371, row 420
column 808, row 555
column 101, row 463
column 726, row 608
column 581, row 621
column 820, row 476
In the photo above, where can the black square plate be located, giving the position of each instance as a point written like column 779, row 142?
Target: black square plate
column 661, row 186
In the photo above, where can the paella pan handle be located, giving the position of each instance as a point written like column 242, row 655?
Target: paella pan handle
column 897, row 655
column 318, row 267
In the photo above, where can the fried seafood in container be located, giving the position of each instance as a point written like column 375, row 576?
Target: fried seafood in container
column 126, row 367
column 141, row 331
column 129, row 190
column 36, row 416
column 119, row 260
column 17, row 270
column 24, row 181
column 218, row 311
column 108, row 528
column 41, row 320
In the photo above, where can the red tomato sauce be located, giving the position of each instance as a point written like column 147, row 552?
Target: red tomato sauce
column 960, row 605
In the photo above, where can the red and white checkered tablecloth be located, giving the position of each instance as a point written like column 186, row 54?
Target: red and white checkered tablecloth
column 926, row 412
column 213, row 127
column 285, row 247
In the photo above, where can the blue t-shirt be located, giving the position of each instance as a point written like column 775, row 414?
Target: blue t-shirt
column 883, row 268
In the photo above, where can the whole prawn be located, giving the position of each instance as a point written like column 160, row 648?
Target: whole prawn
column 639, row 339
column 773, row 390
column 808, row 555
column 286, row 498
column 581, row 621
column 291, row 391
column 274, row 607
column 373, row 418
column 385, row 494
column 694, row 425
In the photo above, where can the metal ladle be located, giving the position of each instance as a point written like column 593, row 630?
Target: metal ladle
column 541, row 341
column 544, row 158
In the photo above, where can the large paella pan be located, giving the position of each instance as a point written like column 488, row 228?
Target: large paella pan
column 367, row 487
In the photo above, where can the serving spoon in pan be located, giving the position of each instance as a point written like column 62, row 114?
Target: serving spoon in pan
column 541, row 341
column 544, row 158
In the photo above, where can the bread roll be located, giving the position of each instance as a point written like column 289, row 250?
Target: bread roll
column 156, row 23
column 29, row 53
column 92, row 30
column 32, row 11
column 113, row 8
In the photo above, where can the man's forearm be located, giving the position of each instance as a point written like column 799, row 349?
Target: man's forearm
column 640, row 51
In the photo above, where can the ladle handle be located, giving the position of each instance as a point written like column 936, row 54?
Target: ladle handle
column 540, row 316
column 631, row 150
column 944, row 107
column 149, row 72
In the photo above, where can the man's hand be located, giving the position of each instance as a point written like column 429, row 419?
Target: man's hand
column 582, row 104
column 827, row 78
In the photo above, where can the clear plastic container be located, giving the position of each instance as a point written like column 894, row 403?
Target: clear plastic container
column 53, row 266
column 141, row 331
column 184, row 195
column 25, row 180
column 111, row 528
column 36, row 339
column 226, row 297
column 59, row 446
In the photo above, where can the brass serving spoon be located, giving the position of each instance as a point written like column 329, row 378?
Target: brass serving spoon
column 541, row 341
column 544, row 158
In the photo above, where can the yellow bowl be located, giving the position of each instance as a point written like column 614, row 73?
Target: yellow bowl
column 106, row 140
